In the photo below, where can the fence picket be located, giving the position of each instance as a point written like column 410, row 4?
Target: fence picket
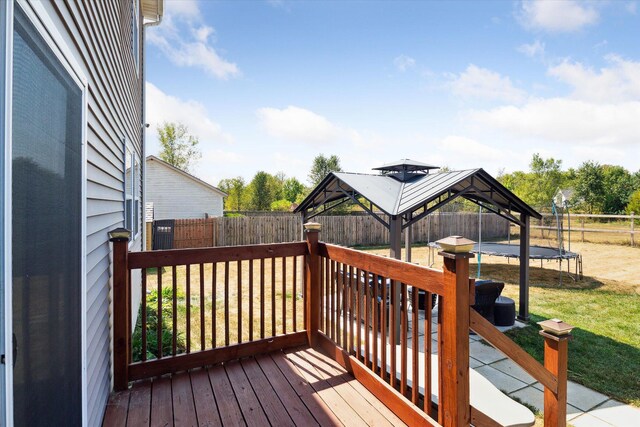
column 348, row 230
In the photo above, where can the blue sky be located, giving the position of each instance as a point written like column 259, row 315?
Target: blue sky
column 268, row 85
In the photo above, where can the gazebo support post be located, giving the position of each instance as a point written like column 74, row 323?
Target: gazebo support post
column 408, row 237
column 395, row 240
column 523, row 312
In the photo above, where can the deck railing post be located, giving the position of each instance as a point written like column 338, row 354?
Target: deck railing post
column 555, row 360
column 121, row 310
column 312, row 283
column 453, row 332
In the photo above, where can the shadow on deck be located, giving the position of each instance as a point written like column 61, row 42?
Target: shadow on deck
column 297, row 387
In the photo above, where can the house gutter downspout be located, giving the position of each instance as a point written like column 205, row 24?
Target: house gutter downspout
column 144, row 123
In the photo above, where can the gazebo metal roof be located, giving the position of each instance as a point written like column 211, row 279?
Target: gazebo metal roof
column 414, row 198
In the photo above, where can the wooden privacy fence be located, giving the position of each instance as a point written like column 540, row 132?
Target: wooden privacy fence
column 347, row 230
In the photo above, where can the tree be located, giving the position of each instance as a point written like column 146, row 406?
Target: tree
column 179, row 147
column 322, row 166
column 618, row 185
column 590, row 186
column 236, row 193
column 544, row 181
column 281, row 205
column 291, row 189
column 260, row 192
column 634, row 203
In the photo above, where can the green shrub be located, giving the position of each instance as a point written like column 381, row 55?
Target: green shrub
column 152, row 327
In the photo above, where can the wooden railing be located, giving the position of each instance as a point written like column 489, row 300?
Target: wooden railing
column 552, row 375
column 207, row 306
column 220, row 304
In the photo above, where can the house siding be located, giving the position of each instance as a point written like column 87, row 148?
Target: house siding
column 99, row 36
column 176, row 196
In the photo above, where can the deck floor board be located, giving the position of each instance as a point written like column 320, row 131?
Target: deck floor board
column 300, row 387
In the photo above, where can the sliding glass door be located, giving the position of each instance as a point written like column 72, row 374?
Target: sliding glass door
column 46, row 226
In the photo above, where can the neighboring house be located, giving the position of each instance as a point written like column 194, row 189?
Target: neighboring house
column 175, row 194
column 71, row 126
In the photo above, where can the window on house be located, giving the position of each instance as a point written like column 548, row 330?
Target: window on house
column 132, row 192
column 128, row 188
column 137, row 214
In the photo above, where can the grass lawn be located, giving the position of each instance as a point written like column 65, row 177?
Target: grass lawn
column 604, row 307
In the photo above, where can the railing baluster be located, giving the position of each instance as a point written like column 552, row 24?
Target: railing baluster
column 428, row 302
column 239, row 274
column 351, row 324
column 174, row 308
column 392, row 333
column 284, row 295
column 359, row 288
column 188, row 308
column 214, row 300
column 304, row 293
column 262, row 298
column 383, row 330
column 226, row 303
column 367, row 315
column 345, row 304
column 143, row 356
column 327, row 293
column 375, row 323
column 403, row 338
column 332, row 301
column 415, row 370
column 202, row 328
column 273, row 297
column 251, row 300
column 294, row 293
column 159, row 316
column 338, row 305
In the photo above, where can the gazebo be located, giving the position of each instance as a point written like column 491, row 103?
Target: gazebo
column 406, row 191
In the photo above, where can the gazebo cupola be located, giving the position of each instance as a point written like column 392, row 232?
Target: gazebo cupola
column 405, row 169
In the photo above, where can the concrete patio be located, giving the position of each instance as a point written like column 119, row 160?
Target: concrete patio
column 585, row 407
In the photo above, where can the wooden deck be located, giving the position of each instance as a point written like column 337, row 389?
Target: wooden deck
column 300, row 387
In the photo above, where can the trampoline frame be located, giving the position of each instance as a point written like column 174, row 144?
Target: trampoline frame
column 514, row 252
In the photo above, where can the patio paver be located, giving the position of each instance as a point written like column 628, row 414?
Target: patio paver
column 501, row 380
column 510, row 367
column 580, row 396
column 535, row 398
column 617, row 414
column 484, row 353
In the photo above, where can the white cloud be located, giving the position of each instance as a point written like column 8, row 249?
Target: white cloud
column 557, row 16
column 182, row 8
column 476, row 82
column 619, row 82
column 186, row 42
column 162, row 107
column 632, row 7
column 470, row 149
column 298, row 124
column 535, row 49
column 404, row 62
column 561, row 120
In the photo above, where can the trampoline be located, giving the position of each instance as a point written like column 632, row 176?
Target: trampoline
column 513, row 251
column 535, row 252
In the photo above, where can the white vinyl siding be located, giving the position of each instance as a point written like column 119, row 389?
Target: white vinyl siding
column 99, row 35
column 176, row 196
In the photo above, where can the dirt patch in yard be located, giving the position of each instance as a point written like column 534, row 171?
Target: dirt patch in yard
column 614, row 266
